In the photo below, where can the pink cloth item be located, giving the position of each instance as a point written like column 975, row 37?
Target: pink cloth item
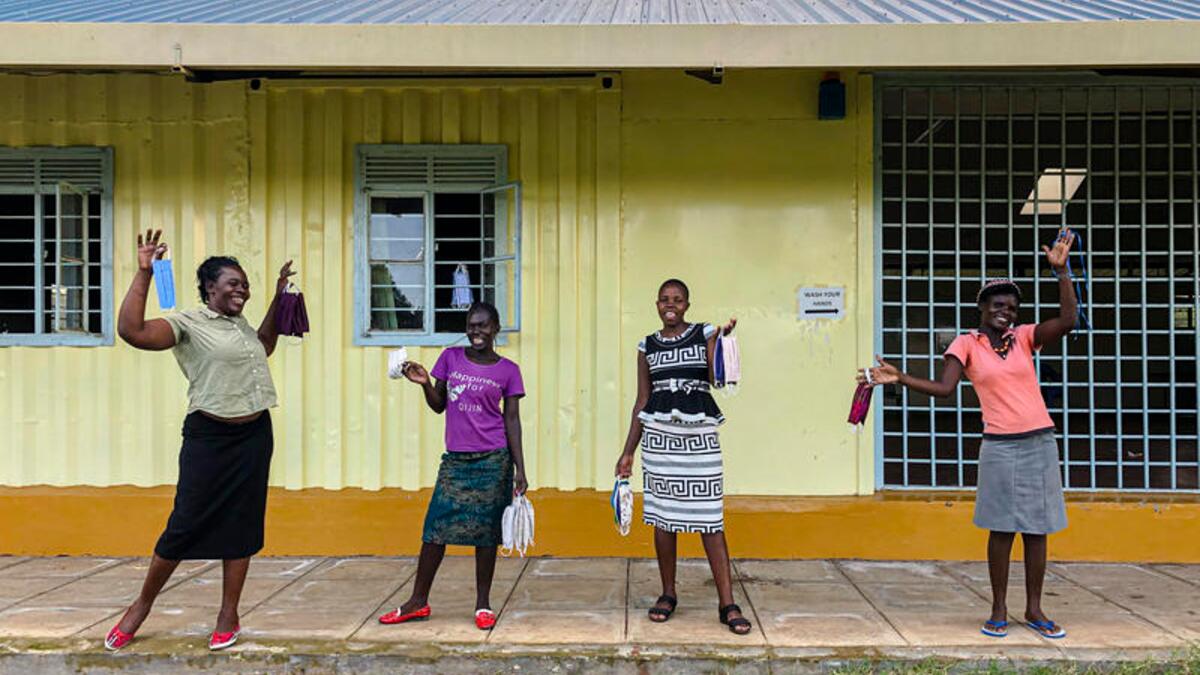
column 861, row 404
column 1009, row 394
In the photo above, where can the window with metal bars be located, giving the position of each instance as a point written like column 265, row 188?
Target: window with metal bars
column 55, row 246
column 436, row 227
column 956, row 165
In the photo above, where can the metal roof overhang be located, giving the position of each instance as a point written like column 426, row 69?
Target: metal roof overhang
column 473, row 47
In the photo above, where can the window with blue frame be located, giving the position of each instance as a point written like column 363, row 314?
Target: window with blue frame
column 56, row 246
column 436, row 228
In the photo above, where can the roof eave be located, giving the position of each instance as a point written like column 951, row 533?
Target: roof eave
column 599, row 47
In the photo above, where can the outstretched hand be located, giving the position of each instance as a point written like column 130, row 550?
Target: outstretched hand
column 728, row 328
column 1058, row 256
column 149, row 249
column 884, row 373
column 416, row 373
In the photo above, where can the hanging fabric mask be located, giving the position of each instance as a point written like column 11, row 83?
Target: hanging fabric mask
column 463, row 296
column 861, row 405
column 164, row 283
column 291, row 318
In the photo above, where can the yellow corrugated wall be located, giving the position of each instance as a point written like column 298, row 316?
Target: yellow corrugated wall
column 267, row 175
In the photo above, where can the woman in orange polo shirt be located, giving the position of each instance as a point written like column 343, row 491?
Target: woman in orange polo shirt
column 1019, row 485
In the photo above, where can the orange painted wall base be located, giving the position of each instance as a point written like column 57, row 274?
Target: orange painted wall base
column 126, row 521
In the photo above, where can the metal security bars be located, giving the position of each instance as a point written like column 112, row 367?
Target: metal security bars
column 55, row 246
column 436, row 227
column 957, row 162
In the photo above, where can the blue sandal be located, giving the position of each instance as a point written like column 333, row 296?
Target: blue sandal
column 1047, row 629
column 996, row 629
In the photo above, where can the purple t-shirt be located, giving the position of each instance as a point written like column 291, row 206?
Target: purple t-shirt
column 474, row 419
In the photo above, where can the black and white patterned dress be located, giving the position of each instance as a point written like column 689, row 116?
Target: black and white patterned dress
column 682, row 474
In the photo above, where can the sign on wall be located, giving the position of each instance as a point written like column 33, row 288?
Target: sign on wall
column 822, row 303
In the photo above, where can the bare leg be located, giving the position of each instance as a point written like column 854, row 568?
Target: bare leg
column 156, row 577
column 485, row 570
column 234, row 579
column 999, row 550
column 1035, row 575
column 427, row 567
column 718, row 560
column 665, row 544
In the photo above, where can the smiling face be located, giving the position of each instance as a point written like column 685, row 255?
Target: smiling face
column 481, row 330
column 999, row 311
column 229, row 293
column 672, row 305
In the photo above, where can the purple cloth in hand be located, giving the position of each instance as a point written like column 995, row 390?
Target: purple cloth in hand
column 291, row 318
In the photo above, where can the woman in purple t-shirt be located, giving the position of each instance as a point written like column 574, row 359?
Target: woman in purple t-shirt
column 483, row 466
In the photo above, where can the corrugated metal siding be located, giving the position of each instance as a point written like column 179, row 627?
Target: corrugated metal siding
column 267, row 176
column 594, row 11
column 111, row 415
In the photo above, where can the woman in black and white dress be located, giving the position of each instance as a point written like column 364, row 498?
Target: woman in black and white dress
column 675, row 420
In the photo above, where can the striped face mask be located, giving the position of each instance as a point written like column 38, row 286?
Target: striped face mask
column 727, row 363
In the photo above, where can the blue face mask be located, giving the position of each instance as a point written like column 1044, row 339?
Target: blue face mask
column 164, row 283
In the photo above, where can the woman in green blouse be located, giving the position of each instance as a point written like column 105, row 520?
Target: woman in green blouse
column 221, row 496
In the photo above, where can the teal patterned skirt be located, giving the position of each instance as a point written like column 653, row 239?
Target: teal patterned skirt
column 472, row 491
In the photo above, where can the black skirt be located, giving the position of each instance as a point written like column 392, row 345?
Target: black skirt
column 221, row 497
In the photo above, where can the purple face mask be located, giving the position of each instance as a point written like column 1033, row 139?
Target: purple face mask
column 861, row 404
column 290, row 316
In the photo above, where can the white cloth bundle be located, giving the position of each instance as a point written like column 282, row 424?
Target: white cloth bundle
column 622, row 503
column 517, row 527
column 396, row 360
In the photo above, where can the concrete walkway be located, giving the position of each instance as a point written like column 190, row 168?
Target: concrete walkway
column 808, row 611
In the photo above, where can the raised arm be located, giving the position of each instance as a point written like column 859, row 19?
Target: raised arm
column 886, row 373
column 625, row 462
column 1053, row 330
column 268, row 332
column 156, row 334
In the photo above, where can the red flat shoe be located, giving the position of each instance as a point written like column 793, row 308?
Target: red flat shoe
column 395, row 616
column 117, row 638
column 221, row 641
column 485, row 619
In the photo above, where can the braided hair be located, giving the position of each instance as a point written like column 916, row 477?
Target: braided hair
column 997, row 287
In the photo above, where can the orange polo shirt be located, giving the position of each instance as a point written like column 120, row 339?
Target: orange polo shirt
column 1009, row 394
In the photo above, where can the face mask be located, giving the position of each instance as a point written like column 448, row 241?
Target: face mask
column 727, row 364
column 1081, row 319
column 396, row 360
column 622, row 505
column 861, row 405
column 291, row 318
column 516, row 527
column 463, row 297
column 164, row 283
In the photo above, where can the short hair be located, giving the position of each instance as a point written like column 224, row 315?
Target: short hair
column 687, row 294
column 489, row 308
column 210, row 271
column 997, row 287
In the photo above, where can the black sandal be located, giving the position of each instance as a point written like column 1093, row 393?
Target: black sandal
column 734, row 624
column 659, row 614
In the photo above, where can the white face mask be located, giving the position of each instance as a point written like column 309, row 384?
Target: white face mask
column 396, row 360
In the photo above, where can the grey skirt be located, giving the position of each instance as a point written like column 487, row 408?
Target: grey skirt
column 1020, row 487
